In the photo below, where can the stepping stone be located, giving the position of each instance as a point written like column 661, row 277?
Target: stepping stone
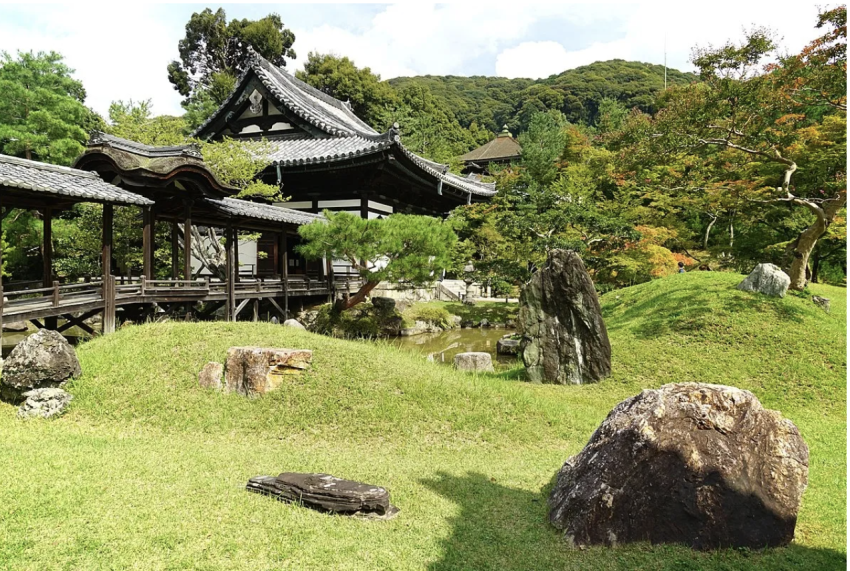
column 327, row 493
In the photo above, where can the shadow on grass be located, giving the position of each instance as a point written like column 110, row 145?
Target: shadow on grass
column 692, row 311
column 507, row 529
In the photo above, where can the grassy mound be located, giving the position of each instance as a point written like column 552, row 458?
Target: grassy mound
column 147, row 470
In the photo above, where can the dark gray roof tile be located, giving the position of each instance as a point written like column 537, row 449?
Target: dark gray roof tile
column 63, row 181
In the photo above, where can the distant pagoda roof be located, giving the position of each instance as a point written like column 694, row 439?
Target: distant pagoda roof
column 328, row 130
column 503, row 148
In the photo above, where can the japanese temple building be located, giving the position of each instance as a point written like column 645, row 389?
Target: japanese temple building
column 325, row 157
column 502, row 150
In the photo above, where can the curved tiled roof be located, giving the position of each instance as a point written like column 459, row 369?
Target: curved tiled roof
column 63, row 181
column 347, row 135
column 308, row 150
column 500, row 148
column 259, row 211
column 100, row 138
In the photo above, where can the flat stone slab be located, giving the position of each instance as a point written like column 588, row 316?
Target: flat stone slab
column 293, row 323
column 327, row 493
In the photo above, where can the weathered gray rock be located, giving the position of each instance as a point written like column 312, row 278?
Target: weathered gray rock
column 507, row 346
column 478, row 362
column 484, row 323
column 704, row 465
column 385, row 304
column 44, row 403
column 210, row 376
column 293, row 323
column 15, row 326
column 564, row 339
column 326, row 493
column 253, row 371
column 44, row 359
column 821, row 302
column 768, row 279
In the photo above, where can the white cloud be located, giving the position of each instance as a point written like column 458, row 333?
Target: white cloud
column 117, row 53
column 680, row 27
column 122, row 53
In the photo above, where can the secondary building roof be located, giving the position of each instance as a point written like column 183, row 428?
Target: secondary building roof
column 503, row 148
column 25, row 177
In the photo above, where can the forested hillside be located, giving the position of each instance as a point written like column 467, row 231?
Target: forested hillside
column 494, row 101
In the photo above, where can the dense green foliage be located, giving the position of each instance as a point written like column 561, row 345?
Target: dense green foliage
column 42, row 110
column 491, row 102
column 401, row 247
column 468, row 459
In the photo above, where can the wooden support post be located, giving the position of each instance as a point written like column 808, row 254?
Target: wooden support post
column 107, row 291
column 108, row 305
column 187, row 240
column 175, row 251
column 256, row 316
column 285, row 274
column 147, row 241
column 229, row 285
column 236, row 254
column 329, row 268
column 49, row 322
column 47, row 248
column 2, row 216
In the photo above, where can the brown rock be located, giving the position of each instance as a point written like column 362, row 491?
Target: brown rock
column 252, row 371
column 326, row 493
column 210, row 376
column 564, row 340
column 704, row 465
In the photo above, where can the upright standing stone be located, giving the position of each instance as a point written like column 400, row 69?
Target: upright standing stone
column 42, row 360
column 704, row 465
column 564, row 339
column 768, row 279
column 210, row 376
column 253, row 371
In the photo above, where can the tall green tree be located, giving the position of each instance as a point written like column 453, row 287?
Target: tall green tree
column 750, row 128
column 401, row 247
column 213, row 54
column 42, row 108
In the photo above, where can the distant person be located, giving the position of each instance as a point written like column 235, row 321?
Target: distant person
column 681, row 267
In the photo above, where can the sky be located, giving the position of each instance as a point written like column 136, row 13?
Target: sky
column 120, row 51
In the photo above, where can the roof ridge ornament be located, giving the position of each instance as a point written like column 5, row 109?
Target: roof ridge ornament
column 394, row 133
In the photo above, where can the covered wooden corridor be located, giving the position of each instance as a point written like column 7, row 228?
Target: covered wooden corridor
column 184, row 194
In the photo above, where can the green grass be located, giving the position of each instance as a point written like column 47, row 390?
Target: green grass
column 147, row 471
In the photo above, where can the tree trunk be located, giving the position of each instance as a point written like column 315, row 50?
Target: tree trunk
column 359, row 297
column 815, row 268
column 824, row 215
column 708, row 231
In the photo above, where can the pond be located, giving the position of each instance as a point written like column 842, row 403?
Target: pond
column 445, row 345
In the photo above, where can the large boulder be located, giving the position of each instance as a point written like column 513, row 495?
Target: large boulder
column 44, row 403
column 564, row 339
column 253, row 371
column 42, row 360
column 704, row 465
column 475, row 361
column 768, row 279
column 326, row 493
